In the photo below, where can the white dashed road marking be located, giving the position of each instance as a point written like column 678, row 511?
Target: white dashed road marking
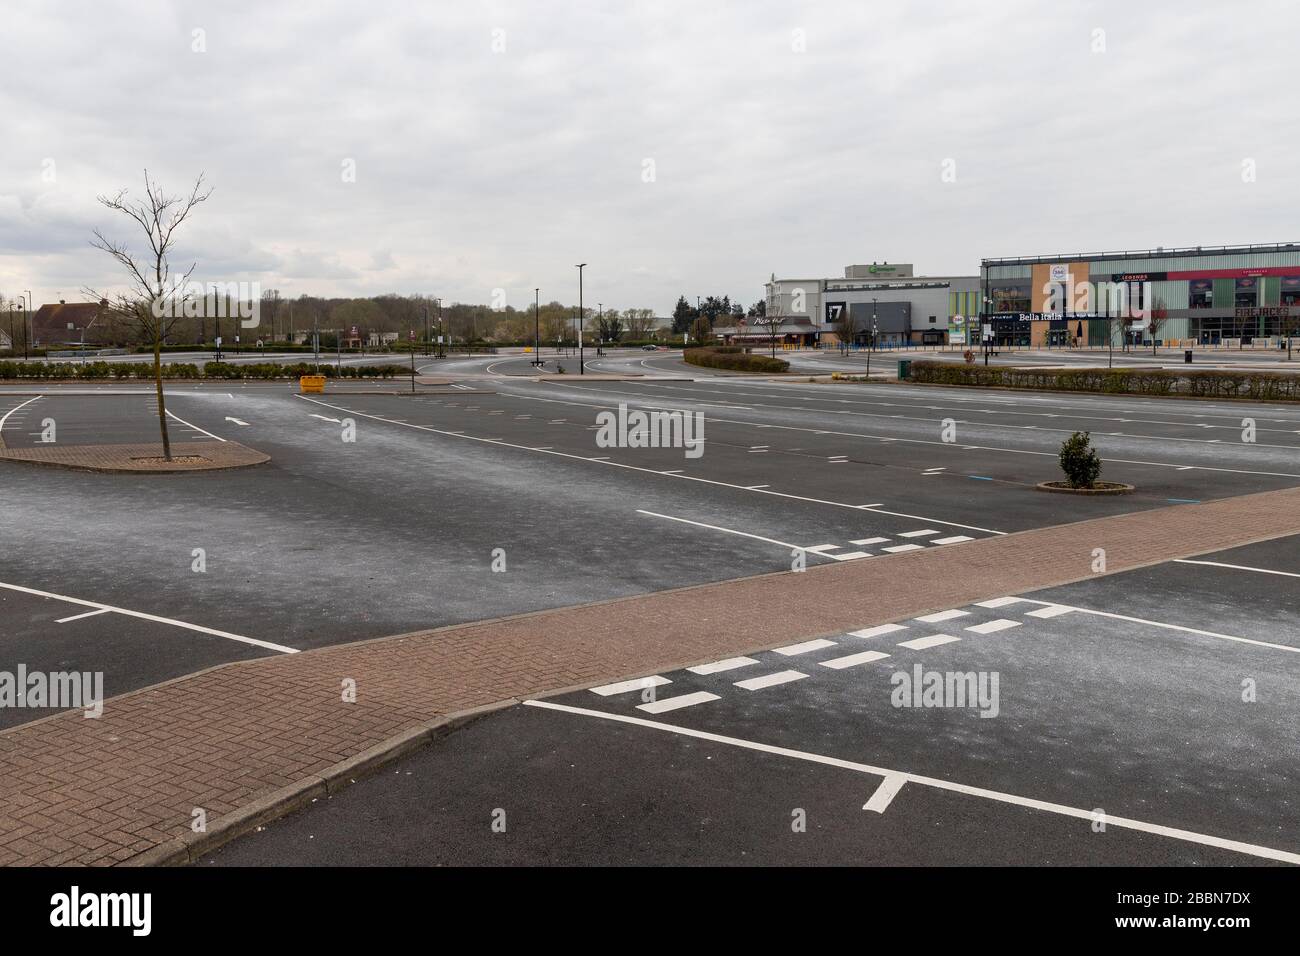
column 676, row 703
column 804, row 647
column 853, row 660
column 992, row 627
column 770, row 680
column 942, row 616
column 623, row 686
column 878, row 630
column 731, row 663
column 932, row 640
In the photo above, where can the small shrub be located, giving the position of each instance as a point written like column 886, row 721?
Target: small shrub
column 733, row 359
column 1079, row 461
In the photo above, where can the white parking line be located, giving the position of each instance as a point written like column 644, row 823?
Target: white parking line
column 932, row 640
column 1078, row 813
column 623, row 686
column 78, row 617
column 903, row 547
column 878, row 630
column 942, row 616
column 152, row 617
column 170, row 414
column 853, row 660
column 1170, row 627
column 862, row 541
column 918, row 534
column 1001, row 602
column 676, row 703
column 1237, row 567
column 885, row 793
column 14, row 409
column 804, row 647
column 992, row 627
column 651, row 471
column 770, row 680
column 954, row 539
column 1053, row 610
column 714, row 527
column 729, row 664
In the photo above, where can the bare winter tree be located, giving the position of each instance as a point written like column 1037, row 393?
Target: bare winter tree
column 1159, row 317
column 771, row 321
column 156, row 297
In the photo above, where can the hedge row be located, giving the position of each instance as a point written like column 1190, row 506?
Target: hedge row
column 732, row 358
column 216, row 370
column 1261, row 386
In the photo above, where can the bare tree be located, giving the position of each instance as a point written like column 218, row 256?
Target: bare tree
column 154, row 302
column 846, row 327
column 771, row 321
column 1290, row 327
column 1158, row 319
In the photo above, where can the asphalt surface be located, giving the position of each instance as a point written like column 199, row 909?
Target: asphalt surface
column 336, row 541
column 1122, row 732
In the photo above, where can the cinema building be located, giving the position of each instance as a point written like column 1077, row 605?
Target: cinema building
column 882, row 298
column 1200, row 295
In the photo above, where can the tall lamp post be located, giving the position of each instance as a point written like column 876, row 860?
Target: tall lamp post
column 22, row 318
column 31, row 317
column 582, row 369
column 537, row 335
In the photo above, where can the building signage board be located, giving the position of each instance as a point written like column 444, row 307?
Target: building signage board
column 1139, row 276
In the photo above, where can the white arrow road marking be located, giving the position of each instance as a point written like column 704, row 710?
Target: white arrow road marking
column 885, row 793
column 324, row 419
column 236, row 421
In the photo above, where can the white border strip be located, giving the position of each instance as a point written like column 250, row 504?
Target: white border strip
column 902, row 777
column 153, row 617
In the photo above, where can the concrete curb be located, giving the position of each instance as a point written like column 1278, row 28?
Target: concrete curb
column 279, row 803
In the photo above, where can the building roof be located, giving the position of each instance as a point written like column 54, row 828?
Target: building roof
column 1160, row 252
column 50, row 322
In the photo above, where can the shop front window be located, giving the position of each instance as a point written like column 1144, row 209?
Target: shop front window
column 1290, row 290
column 1246, row 293
column 1200, row 294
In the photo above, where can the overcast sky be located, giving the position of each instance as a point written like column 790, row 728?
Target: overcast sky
column 786, row 137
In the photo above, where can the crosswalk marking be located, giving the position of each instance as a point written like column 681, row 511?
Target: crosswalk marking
column 992, row 627
column 862, row 541
column 770, row 680
column 878, row 630
column 942, row 616
column 803, row 647
column 932, row 640
column 918, row 534
column 623, row 686
column 849, row 556
column 903, row 547
column 853, row 660
column 1052, row 610
column 731, row 663
column 955, row 539
column 676, row 703
column 1000, row 602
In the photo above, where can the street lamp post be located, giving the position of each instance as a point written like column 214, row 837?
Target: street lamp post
column 581, row 366
column 22, row 317
column 871, row 343
column 537, row 334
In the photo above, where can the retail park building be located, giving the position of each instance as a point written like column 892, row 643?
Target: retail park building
column 1181, row 296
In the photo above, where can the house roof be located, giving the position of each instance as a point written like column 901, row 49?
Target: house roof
column 60, row 314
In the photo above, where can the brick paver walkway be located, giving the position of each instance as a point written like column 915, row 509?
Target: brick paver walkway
column 74, row 790
column 214, row 456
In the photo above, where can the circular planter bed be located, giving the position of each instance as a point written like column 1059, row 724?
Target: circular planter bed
column 1098, row 488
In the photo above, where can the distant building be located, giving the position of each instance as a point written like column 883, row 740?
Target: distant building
column 73, row 323
column 1186, row 295
column 901, row 307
